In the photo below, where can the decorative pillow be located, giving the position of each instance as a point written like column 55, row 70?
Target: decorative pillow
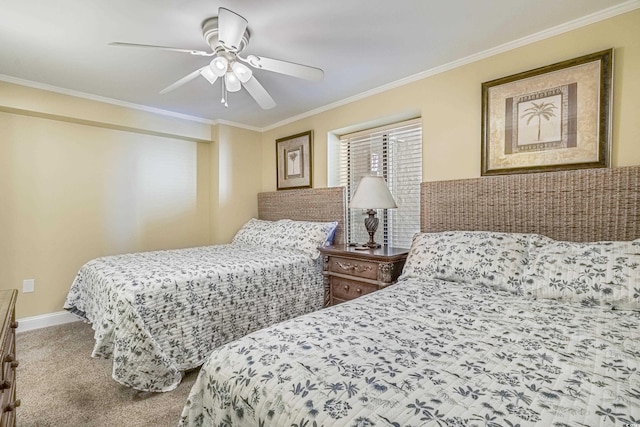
column 254, row 232
column 306, row 235
column 303, row 236
column 475, row 257
column 605, row 274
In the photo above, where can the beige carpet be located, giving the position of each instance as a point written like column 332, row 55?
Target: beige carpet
column 60, row 384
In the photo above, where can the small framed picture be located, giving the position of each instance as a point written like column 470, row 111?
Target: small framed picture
column 294, row 161
column 551, row 118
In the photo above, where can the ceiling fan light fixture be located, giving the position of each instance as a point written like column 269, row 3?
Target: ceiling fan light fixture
column 219, row 65
column 242, row 72
column 231, row 82
column 228, row 35
column 208, row 74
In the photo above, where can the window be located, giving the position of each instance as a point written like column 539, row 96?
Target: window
column 395, row 152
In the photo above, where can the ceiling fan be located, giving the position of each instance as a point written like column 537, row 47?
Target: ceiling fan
column 228, row 36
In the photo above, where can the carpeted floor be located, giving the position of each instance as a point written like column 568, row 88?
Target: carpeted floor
column 60, row 384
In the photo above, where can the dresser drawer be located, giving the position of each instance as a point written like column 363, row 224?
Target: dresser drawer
column 345, row 289
column 9, row 362
column 354, row 267
column 9, row 366
column 8, row 401
column 9, row 415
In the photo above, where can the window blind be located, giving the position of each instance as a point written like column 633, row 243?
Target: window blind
column 394, row 152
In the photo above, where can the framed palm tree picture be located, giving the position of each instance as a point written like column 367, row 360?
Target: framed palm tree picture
column 294, row 161
column 550, row 118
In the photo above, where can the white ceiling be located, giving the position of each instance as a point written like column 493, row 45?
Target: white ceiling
column 362, row 45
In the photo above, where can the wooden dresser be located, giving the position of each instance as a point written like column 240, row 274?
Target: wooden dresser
column 8, row 401
column 350, row 272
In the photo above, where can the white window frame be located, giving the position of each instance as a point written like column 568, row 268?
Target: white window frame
column 397, row 226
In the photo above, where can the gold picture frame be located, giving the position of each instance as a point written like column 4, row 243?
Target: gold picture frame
column 294, row 157
column 551, row 118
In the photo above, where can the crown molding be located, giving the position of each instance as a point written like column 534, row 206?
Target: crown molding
column 551, row 32
column 103, row 99
column 542, row 35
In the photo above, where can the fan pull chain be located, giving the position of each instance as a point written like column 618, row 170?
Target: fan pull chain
column 224, row 95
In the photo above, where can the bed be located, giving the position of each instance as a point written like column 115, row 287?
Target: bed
column 519, row 305
column 160, row 313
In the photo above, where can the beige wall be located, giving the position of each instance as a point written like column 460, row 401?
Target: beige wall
column 81, row 179
column 236, row 160
column 450, row 104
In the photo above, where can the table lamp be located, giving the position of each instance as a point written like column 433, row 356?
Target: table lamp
column 372, row 193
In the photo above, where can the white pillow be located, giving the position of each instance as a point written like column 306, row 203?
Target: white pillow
column 605, row 274
column 304, row 236
column 254, row 232
column 475, row 257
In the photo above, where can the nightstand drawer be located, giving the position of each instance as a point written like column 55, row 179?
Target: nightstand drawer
column 354, row 267
column 345, row 289
column 351, row 272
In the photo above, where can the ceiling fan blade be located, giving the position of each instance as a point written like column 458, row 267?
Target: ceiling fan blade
column 174, row 49
column 259, row 93
column 284, row 67
column 185, row 79
column 231, row 28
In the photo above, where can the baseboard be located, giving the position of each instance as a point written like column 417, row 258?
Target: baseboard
column 45, row 320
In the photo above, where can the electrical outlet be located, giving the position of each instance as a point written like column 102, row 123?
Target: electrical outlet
column 28, row 285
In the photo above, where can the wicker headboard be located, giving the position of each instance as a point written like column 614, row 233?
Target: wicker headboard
column 578, row 205
column 312, row 204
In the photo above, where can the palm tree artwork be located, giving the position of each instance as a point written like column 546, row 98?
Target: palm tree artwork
column 293, row 164
column 539, row 110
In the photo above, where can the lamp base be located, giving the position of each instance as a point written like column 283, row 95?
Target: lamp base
column 371, row 224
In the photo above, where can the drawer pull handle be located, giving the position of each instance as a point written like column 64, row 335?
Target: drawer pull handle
column 346, row 287
column 347, row 266
column 4, row 385
column 12, row 406
column 358, row 290
column 11, row 358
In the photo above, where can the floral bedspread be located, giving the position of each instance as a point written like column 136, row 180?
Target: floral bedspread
column 431, row 353
column 160, row 313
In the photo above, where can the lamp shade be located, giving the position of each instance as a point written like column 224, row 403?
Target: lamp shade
column 209, row 75
column 219, row 65
column 231, row 82
column 372, row 193
column 242, row 72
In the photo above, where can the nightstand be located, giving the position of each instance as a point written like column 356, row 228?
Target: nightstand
column 350, row 272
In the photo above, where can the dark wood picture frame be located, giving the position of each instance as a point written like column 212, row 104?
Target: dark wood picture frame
column 294, row 161
column 551, row 118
